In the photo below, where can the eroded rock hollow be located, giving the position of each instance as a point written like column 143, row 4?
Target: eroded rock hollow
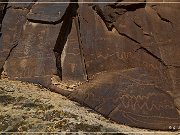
column 120, row 59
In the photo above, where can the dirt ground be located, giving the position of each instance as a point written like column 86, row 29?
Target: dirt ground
column 30, row 108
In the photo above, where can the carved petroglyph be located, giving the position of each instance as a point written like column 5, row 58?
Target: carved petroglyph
column 120, row 59
column 124, row 55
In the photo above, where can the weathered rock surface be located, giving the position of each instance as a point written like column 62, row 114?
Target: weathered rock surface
column 47, row 13
column 2, row 13
column 121, row 59
column 129, row 97
column 36, row 109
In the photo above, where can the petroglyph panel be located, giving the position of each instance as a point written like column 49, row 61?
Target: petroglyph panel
column 129, row 97
column 34, row 56
column 73, row 67
column 12, row 26
column 128, row 52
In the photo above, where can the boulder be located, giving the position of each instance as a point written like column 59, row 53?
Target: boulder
column 129, row 97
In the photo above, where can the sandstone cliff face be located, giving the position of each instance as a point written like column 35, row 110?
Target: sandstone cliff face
column 120, row 58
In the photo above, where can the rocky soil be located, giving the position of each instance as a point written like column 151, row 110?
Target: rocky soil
column 31, row 108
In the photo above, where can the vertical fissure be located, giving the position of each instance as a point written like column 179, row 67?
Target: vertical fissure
column 2, row 14
column 63, row 35
column 14, row 46
column 78, row 25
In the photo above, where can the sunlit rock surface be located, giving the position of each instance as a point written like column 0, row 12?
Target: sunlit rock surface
column 120, row 59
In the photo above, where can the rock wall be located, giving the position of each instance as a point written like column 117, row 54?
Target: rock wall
column 120, row 58
column 2, row 13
